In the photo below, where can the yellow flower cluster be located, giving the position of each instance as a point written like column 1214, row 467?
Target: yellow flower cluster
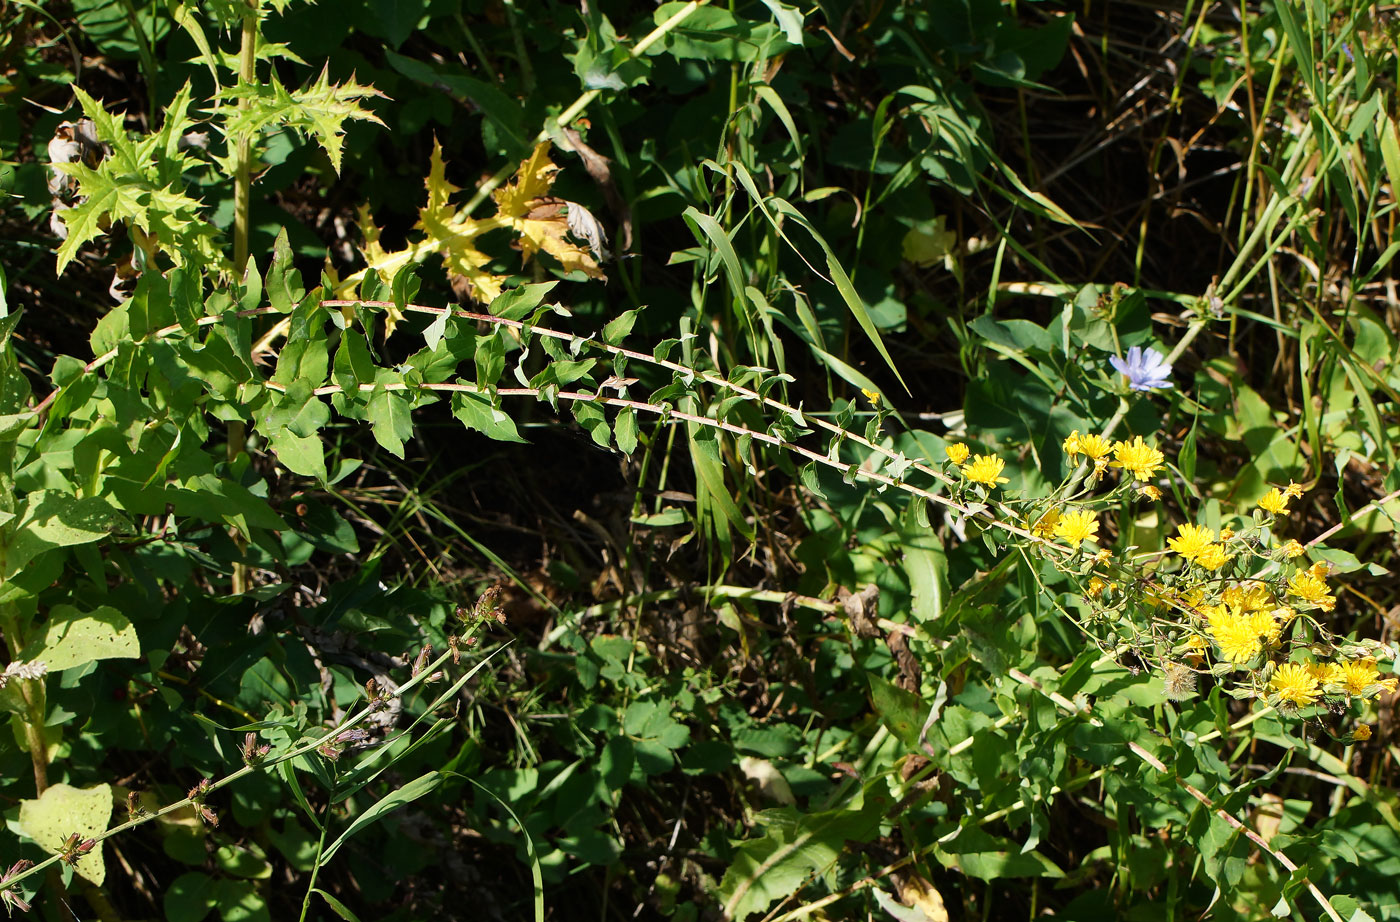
column 1196, row 544
column 1309, row 586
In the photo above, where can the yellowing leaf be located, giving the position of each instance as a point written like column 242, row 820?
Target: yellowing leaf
column 63, row 810
column 531, row 182
column 541, row 221
column 75, row 638
column 924, row 896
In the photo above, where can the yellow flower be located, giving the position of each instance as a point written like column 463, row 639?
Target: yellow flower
column 1263, row 624
column 1137, row 458
column 957, row 452
column 1195, row 642
column 1292, row 549
column 1326, row 673
column 1071, row 445
column 1273, row 502
column 1293, row 490
column 1358, row 675
column 1295, row 683
column 1320, row 569
column 1104, row 555
column 1310, row 588
column 1095, row 446
column 1244, row 601
column 1213, row 557
column 1096, row 587
column 1046, row 526
column 985, row 469
column 1226, row 534
column 1191, row 540
column 1362, row 732
column 1388, row 684
column 872, row 396
column 1150, row 492
column 1284, row 614
column 1238, row 641
column 1079, row 525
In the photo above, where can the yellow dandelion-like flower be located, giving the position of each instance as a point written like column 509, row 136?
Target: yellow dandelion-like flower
column 1096, row 587
column 1095, row 446
column 1310, row 588
column 1292, row 549
column 1293, row 490
column 1244, row 601
column 1273, row 502
column 1226, row 534
column 1388, row 684
column 1196, row 642
column 1191, row 540
column 1076, row 526
column 1362, row 732
column 1217, row 616
column 1071, row 445
column 1263, row 624
column 1150, row 492
column 1284, row 614
column 985, row 469
column 1045, row 527
column 1325, row 673
column 1237, row 639
column 872, row 396
column 1104, row 555
column 957, row 452
column 1321, row 569
column 1213, row 557
column 1295, row 683
column 1358, row 675
column 1137, row 458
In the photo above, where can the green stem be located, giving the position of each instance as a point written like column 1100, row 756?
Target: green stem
column 243, row 145
column 242, row 207
column 316, row 867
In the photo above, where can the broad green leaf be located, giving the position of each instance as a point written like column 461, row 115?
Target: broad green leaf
column 190, row 897
column 50, row 519
column 476, row 412
column 63, row 810
column 795, row 847
column 901, row 711
column 75, row 638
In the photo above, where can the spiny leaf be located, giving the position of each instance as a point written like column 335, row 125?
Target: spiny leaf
column 319, row 111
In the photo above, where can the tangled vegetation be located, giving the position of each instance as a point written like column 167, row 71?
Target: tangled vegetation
column 480, row 459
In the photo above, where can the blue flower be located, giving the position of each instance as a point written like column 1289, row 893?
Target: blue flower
column 1145, row 370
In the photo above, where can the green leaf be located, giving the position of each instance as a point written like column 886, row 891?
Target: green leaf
column 795, row 847
column 418, row 787
column 319, row 111
column 591, row 417
column 708, row 227
column 625, row 431
column 190, row 897
column 517, row 303
column 391, row 416
column 50, row 519
column 900, row 711
column 617, row 329
column 336, row 905
column 74, row 638
column 63, row 810
column 476, row 412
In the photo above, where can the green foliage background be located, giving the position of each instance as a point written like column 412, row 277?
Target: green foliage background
column 259, row 448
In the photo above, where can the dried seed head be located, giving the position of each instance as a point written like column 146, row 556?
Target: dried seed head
column 1179, row 682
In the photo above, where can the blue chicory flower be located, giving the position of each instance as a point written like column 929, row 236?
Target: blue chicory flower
column 1145, row 370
